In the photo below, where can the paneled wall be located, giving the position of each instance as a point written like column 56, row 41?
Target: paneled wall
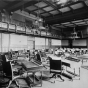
column 55, row 43
column 30, row 42
column 15, row 42
column 5, row 42
column 41, row 43
column 20, row 42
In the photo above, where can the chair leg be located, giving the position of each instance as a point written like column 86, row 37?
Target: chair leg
column 60, row 77
column 9, row 84
column 17, row 84
column 54, row 75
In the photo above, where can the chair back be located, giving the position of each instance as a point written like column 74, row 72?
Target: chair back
column 38, row 59
column 55, row 65
column 3, row 58
column 7, row 68
column 10, row 55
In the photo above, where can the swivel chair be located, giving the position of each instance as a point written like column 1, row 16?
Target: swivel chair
column 56, row 68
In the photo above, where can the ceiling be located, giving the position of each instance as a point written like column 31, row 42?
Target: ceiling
column 73, row 13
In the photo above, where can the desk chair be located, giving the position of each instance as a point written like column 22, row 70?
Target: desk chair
column 56, row 68
column 8, row 76
column 37, row 59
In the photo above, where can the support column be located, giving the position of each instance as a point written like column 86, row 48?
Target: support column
column 49, row 43
column 70, row 43
column 87, row 43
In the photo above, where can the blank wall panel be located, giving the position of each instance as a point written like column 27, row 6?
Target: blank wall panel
column 18, row 42
column 30, row 42
column 39, row 43
column 79, row 42
column 64, row 42
column 56, row 42
column 5, row 42
column 30, row 45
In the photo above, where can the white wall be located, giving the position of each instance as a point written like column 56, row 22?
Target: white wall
column 30, row 42
column 15, row 42
column 56, row 42
column 39, row 43
column 5, row 42
column 18, row 42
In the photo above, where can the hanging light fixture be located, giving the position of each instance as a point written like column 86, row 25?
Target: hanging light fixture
column 74, row 34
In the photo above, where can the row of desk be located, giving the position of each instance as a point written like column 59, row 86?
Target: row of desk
column 71, row 66
column 33, row 68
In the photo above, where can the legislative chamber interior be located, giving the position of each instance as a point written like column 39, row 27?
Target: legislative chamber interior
column 43, row 43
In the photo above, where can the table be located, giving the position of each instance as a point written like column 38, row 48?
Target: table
column 32, row 67
column 83, row 57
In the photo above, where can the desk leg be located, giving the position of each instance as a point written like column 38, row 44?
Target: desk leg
column 41, row 78
column 74, row 72
column 66, row 68
column 79, row 73
column 33, row 78
column 82, row 61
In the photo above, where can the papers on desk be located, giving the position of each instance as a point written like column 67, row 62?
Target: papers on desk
column 83, row 56
column 75, row 59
